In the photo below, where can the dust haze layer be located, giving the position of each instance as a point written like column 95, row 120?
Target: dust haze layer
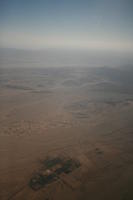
column 58, row 57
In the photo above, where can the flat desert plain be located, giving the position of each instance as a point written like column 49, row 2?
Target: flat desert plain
column 83, row 115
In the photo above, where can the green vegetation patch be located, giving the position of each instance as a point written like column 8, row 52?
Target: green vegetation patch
column 51, row 172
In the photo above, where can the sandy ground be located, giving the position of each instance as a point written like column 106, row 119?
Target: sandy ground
column 65, row 112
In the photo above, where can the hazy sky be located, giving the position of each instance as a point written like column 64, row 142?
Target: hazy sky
column 72, row 24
